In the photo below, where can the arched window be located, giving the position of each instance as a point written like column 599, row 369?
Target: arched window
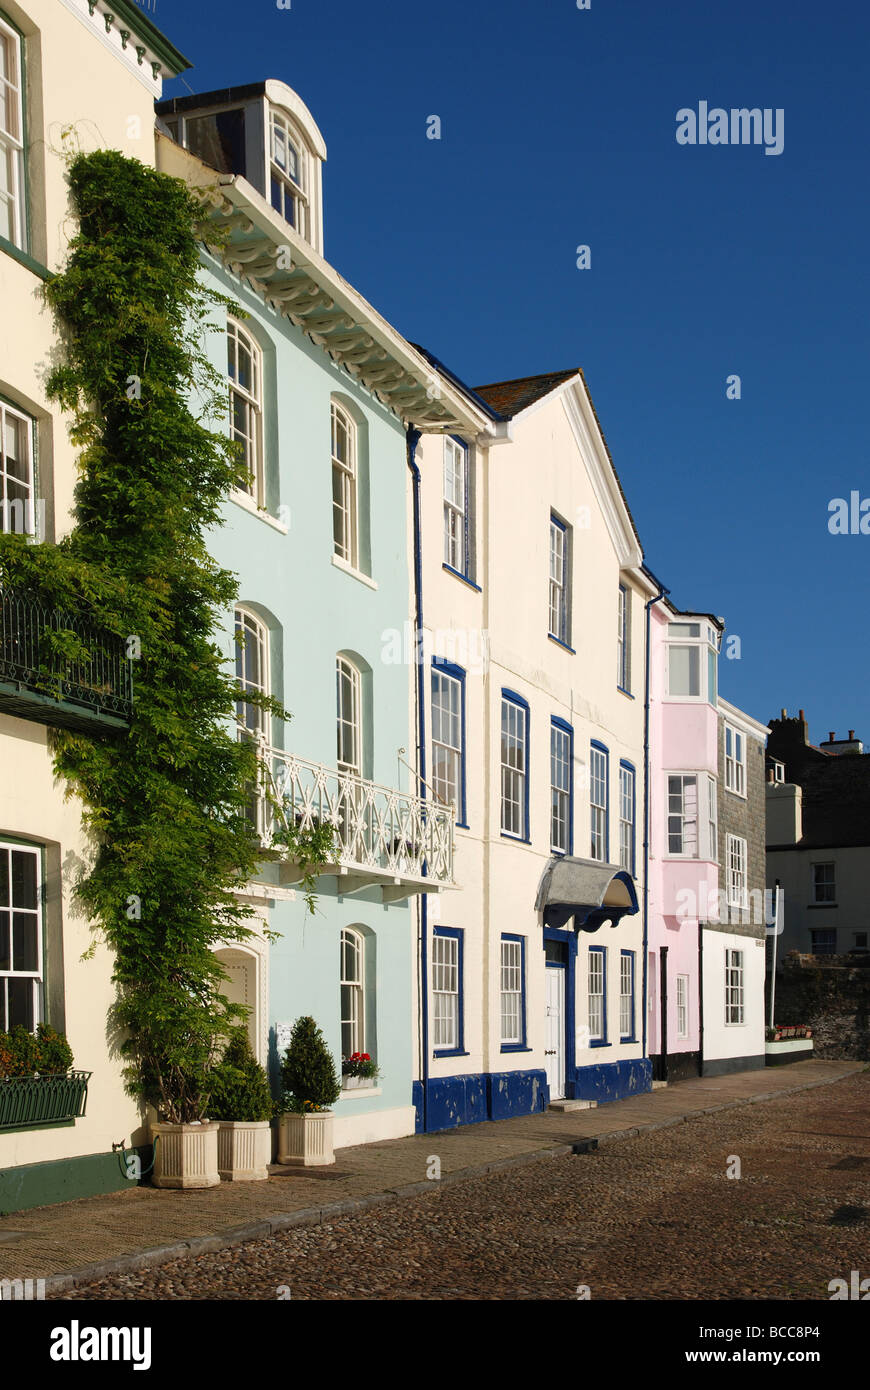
column 245, row 375
column 252, row 671
column 349, row 711
column 344, row 486
column 352, row 992
column 287, row 172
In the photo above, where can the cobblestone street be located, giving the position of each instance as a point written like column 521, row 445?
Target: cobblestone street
column 651, row 1217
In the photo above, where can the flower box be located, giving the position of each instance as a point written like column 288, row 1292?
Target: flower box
column 185, row 1156
column 306, row 1139
column 244, row 1150
column 30, row 1101
column 357, row 1083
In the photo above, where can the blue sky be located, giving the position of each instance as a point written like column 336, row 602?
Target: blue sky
column 558, row 129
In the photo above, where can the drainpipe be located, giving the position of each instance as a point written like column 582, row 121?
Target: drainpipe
column 413, row 439
column 660, row 595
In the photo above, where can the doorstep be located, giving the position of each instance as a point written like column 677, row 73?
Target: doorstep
column 564, row 1106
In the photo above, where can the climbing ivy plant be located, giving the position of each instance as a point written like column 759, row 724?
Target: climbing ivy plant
column 166, row 803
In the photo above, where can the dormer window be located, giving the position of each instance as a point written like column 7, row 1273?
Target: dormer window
column 287, row 173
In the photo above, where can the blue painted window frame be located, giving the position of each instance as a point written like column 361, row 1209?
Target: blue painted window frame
column 626, row 766
column 458, row 674
column 600, row 748
column 459, row 935
column 467, row 573
column 522, row 1045
column 563, row 728
column 632, row 956
column 512, row 698
column 602, row 952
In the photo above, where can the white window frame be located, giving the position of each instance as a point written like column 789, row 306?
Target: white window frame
column 7, row 849
column 627, row 975
column 17, row 510
column 251, row 720
column 735, row 1003
column 682, row 1000
column 353, row 1000
column 291, row 191
column 445, row 993
column 737, row 872
column 511, row 980
column 596, row 985
column 627, row 803
column 560, row 552
column 694, row 820
column 447, row 724
column 816, row 885
column 735, row 760
column 599, row 772
column 456, row 506
column 698, row 636
column 514, row 774
column 250, row 402
column 561, row 796
column 623, row 639
column 345, row 498
column 12, row 136
column 348, row 680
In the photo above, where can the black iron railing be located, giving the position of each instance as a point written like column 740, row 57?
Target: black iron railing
column 63, row 656
column 42, row 1100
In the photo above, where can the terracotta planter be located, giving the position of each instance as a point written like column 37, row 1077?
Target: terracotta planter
column 185, row 1155
column 306, row 1139
column 244, row 1150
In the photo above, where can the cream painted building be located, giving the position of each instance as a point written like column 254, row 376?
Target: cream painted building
column 531, row 974
column 75, row 76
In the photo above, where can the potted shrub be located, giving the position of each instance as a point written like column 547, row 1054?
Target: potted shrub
column 242, row 1104
column 310, row 1088
column 358, row 1071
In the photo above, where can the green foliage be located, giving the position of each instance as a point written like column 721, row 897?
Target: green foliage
column 238, row 1086
column 166, row 804
column 311, row 847
column 308, row 1071
column 22, row 1053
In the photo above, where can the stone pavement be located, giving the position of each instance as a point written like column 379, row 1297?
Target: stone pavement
column 76, row 1242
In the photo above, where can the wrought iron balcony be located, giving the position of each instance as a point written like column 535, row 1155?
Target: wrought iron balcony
column 59, row 669
column 383, row 838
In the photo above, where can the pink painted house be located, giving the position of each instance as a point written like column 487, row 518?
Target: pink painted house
column 683, row 862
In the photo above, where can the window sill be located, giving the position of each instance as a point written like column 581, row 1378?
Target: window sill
column 516, row 1047
column 820, row 907
column 450, row 1052
column 248, row 504
column 627, row 693
column 559, row 643
column 354, row 573
column 629, row 1040
column 517, row 839
column 602, row 1043
column 457, row 574
column 361, row 1092
column 27, row 261
column 732, row 792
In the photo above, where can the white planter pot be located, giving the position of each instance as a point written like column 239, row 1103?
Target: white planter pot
column 305, row 1139
column 185, row 1155
column 357, row 1083
column 244, row 1150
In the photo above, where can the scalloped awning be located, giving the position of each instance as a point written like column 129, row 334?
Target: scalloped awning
column 590, row 892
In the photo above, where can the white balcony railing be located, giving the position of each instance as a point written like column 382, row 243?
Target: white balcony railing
column 382, row 836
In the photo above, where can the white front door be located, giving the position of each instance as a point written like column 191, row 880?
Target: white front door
column 555, row 1035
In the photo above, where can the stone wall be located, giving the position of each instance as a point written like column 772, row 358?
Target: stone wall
column 832, row 995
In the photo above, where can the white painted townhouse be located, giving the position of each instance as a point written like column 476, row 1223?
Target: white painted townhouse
column 532, row 595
